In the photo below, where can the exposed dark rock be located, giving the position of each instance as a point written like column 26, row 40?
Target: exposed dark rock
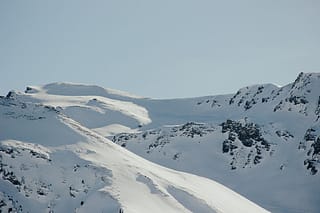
column 302, row 145
column 265, row 99
column 310, row 135
column 311, row 164
column 298, row 79
column 192, row 129
column 11, row 95
column 284, row 134
column 297, row 100
column 2, row 204
column 313, row 160
column 257, row 159
column 123, row 137
column 249, row 104
column 248, row 133
column 10, row 176
column 317, row 111
column 278, row 107
column 228, row 145
column 41, row 192
column 250, row 136
column 176, row 156
column 234, row 97
column 316, row 147
column 225, row 146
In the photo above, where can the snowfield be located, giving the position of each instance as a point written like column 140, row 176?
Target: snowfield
column 78, row 148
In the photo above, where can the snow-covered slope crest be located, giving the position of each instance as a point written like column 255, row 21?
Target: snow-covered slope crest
column 93, row 106
column 74, row 169
column 72, row 89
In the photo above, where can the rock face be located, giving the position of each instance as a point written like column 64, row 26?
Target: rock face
column 243, row 139
column 251, row 141
column 312, row 140
column 160, row 137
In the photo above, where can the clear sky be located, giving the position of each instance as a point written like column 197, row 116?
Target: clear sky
column 160, row 49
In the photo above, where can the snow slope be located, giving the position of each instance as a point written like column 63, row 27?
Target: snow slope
column 262, row 142
column 51, row 163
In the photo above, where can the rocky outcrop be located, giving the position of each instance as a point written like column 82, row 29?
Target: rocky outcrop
column 244, row 143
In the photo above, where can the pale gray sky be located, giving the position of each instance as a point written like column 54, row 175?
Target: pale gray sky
column 167, row 48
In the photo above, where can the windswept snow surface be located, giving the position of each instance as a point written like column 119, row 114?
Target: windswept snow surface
column 83, row 171
column 94, row 106
column 262, row 142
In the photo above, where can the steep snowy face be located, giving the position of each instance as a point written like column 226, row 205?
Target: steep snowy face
column 302, row 96
column 51, row 163
column 258, row 140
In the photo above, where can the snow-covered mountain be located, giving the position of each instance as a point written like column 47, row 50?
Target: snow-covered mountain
column 51, row 163
column 69, row 147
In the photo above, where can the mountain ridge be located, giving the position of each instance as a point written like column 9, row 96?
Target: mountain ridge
column 254, row 141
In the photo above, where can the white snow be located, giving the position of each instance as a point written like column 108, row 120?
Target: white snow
column 74, row 166
column 83, row 171
column 114, row 129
